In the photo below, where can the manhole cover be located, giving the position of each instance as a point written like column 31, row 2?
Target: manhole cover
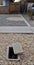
column 17, row 47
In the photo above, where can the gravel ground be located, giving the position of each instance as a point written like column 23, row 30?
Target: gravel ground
column 27, row 42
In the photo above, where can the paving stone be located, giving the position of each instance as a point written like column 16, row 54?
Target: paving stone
column 17, row 47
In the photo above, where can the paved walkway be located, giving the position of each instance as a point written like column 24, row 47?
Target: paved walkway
column 12, row 20
column 15, row 23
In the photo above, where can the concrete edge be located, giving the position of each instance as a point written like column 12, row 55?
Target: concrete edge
column 15, row 29
column 26, row 21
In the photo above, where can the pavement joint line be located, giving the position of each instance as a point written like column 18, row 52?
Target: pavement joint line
column 26, row 21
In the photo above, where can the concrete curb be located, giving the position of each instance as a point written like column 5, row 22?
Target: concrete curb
column 15, row 29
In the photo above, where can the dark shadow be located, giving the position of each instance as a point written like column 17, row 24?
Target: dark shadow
column 11, row 54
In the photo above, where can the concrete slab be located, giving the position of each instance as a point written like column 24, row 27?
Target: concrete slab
column 31, row 22
column 32, row 29
column 15, row 29
column 12, row 23
column 17, row 47
column 15, row 23
column 13, row 20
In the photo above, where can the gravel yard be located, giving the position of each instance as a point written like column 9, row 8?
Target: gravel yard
column 27, row 42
